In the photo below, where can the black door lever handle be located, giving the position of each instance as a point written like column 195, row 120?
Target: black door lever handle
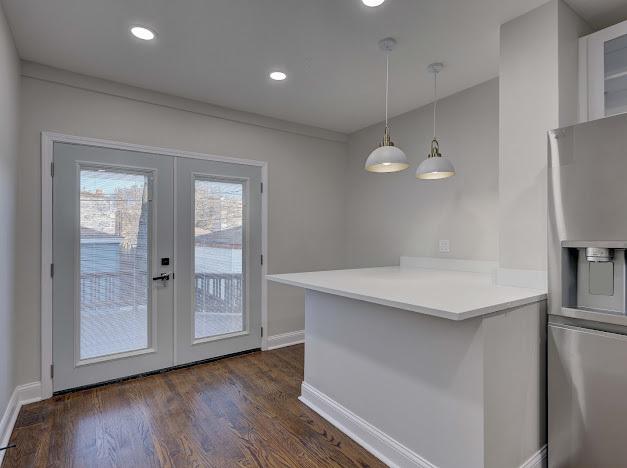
column 163, row 277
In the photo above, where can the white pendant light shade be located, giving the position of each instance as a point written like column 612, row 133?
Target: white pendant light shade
column 387, row 158
column 435, row 168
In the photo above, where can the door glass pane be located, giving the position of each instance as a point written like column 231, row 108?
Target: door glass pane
column 616, row 76
column 218, row 253
column 114, row 261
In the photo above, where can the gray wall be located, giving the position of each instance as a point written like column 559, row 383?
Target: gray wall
column 538, row 77
column 538, row 92
column 390, row 215
column 306, row 183
column 316, row 198
column 9, row 95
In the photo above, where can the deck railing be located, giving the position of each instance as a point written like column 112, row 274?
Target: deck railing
column 218, row 293
column 113, row 289
column 214, row 292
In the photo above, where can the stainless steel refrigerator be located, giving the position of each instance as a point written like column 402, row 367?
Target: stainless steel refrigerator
column 587, row 326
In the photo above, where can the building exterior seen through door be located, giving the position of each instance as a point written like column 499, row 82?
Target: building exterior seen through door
column 156, row 262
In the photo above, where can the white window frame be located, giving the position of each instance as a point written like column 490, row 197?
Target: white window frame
column 152, row 309
column 245, row 183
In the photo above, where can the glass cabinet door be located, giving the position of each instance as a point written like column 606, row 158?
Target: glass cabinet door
column 615, row 75
column 603, row 73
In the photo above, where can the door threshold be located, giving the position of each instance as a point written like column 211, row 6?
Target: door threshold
column 158, row 371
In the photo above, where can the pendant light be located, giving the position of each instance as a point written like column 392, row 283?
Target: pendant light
column 435, row 166
column 387, row 157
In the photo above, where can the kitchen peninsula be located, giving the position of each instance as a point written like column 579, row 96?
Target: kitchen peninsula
column 423, row 366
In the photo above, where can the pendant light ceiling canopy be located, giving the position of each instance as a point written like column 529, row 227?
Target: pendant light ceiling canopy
column 435, row 166
column 387, row 157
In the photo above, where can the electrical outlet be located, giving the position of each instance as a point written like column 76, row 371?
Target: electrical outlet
column 445, row 246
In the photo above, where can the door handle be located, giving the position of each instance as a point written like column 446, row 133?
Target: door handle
column 163, row 276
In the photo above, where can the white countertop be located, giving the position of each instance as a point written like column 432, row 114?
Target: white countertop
column 453, row 295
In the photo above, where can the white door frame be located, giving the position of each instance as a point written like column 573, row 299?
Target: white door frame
column 47, row 145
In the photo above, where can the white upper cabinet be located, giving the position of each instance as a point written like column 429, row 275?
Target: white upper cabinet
column 603, row 73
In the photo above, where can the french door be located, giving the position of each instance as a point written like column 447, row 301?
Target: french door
column 156, row 262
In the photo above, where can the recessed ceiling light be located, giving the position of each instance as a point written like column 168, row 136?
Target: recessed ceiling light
column 142, row 33
column 278, row 76
column 372, row 3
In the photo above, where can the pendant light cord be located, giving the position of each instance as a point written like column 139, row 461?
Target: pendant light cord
column 435, row 100
column 387, row 86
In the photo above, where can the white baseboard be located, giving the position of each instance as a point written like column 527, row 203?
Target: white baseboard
column 22, row 395
column 537, row 460
column 286, row 339
column 381, row 445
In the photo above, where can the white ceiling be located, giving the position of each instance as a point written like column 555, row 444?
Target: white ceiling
column 220, row 51
column 600, row 13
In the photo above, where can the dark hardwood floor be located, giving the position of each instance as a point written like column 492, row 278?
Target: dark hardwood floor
column 242, row 411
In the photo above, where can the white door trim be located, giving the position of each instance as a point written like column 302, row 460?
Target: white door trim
column 47, row 143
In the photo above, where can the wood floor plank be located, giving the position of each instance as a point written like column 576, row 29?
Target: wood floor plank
column 236, row 412
column 315, row 430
